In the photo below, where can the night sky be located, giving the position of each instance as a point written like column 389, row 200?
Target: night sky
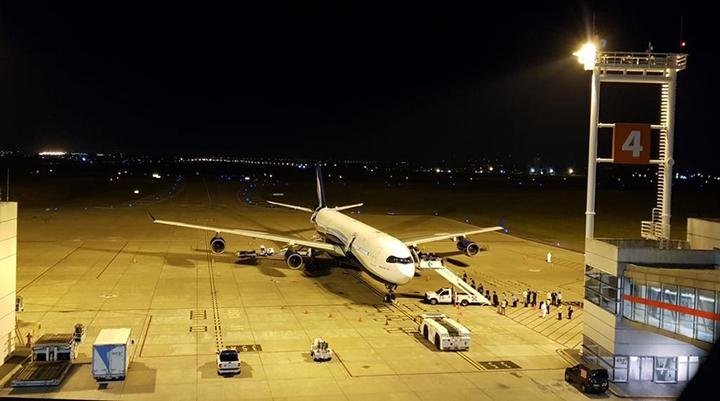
column 410, row 82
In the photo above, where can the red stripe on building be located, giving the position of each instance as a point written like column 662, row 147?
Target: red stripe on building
column 676, row 308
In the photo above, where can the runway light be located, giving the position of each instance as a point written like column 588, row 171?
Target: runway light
column 571, row 171
column 586, row 55
column 137, row 191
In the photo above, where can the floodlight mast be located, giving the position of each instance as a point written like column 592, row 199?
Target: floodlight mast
column 645, row 68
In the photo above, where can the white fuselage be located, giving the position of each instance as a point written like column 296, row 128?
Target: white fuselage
column 373, row 248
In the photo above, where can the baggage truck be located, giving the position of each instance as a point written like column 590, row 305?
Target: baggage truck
column 111, row 355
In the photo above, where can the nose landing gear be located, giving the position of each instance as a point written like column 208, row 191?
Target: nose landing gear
column 390, row 296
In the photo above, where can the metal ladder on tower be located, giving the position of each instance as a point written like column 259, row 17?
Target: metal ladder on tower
column 655, row 229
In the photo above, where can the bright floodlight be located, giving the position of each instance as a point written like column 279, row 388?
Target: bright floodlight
column 586, row 55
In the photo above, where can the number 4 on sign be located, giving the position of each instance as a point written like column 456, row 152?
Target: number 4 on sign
column 633, row 143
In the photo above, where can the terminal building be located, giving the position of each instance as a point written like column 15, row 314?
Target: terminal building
column 652, row 304
column 652, row 314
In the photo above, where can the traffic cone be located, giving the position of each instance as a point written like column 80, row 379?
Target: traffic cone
column 306, row 312
column 329, row 314
column 387, row 322
column 360, row 319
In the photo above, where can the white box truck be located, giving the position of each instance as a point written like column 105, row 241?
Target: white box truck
column 111, row 354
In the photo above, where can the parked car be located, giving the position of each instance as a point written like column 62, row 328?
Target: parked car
column 590, row 378
column 228, row 362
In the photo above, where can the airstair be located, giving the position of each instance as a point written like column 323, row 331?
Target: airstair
column 456, row 281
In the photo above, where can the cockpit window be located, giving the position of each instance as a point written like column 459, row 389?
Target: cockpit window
column 395, row 259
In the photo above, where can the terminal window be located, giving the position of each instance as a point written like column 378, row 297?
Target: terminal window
column 602, row 289
column 691, row 312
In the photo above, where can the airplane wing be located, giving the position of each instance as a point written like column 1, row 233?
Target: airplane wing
column 334, row 249
column 440, row 237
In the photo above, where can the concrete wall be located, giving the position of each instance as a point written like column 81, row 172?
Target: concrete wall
column 599, row 325
column 8, row 262
column 703, row 234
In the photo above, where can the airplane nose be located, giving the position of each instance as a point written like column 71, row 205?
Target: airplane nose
column 407, row 272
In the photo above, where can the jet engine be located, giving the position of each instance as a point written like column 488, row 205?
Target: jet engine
column 294, row 260
column 217, row 244
column 469, row 247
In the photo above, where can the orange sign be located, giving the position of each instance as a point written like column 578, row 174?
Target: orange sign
column 631, row 143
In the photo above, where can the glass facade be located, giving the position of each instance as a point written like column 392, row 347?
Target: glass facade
column 690, row 312
column 602, row 289
column 625, row 368
column 687, row 311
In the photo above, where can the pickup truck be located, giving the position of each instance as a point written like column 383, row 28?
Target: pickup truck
column 450, row 296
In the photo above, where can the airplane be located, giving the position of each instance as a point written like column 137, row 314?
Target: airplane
column 387, row 259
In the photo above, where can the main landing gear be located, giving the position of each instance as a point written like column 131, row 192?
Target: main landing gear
column 390, row 296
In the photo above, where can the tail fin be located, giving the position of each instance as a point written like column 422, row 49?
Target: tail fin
column 320, row 188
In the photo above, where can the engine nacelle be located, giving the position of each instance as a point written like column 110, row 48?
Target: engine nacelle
column 294, row 260
column 469, row 247
column 217, row 244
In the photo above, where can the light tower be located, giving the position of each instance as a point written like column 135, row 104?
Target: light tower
column 632, row 142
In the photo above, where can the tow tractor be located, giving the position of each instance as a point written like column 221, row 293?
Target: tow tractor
column 445, row 333
column 320, row 350
column 253, row 254
column 451, row 296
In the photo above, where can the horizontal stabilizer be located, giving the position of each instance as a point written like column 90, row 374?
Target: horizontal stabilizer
column 353, row 206
column 304, row 209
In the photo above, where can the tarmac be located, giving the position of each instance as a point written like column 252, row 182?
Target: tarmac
column 108, row 266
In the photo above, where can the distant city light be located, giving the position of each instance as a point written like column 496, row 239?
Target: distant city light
column 571, row 171
column 156, row 175
column 490, row 168
column 52, row 153
column 586, row 55
column 137, row 191
column 532, row 170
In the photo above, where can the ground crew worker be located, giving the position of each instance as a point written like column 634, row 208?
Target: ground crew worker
column 543, row 308
column 504, row 305
column 570, row 312
column 526, row 299
column 560, row 310
column 495, row 299
column 548, row 258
